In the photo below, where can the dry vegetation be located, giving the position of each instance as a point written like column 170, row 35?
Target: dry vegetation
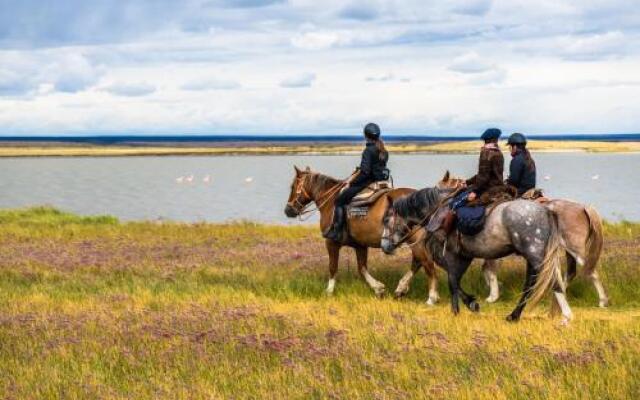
column 320, row 148
column 92, row 308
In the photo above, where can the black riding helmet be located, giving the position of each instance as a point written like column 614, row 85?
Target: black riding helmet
column 517, row 138
column 371, row 131
column 491, row 134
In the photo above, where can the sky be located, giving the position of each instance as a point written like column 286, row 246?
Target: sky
column 455, row 67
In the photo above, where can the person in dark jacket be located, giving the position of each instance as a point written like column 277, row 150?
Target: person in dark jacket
column 522, row 170
column 490, row 166
column 373, row 168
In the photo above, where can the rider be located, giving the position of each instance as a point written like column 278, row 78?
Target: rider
column 372, row 169
column 490, row 166
column 522, row 170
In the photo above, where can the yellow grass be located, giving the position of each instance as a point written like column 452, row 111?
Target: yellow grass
column 92, row 308
column 445, row 147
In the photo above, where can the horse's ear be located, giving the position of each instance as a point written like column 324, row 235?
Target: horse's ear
column 295, row 167
column 308, row 169
column 446, row 176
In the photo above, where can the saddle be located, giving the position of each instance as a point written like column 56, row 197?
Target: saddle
column 370, row 194
column 469, row 217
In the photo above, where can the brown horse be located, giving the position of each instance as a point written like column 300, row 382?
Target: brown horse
column 581, row 234
column 364, row 232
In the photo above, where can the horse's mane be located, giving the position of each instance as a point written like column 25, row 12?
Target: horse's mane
column 417, row 204
column 323, row 180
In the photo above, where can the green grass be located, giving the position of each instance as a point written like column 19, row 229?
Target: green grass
column 94, row 308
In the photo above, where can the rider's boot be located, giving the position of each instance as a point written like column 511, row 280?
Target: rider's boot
column 335, row 230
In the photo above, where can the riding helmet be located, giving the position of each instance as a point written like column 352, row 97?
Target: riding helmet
column 372, row 131
column 491, row 133
column 517, row 138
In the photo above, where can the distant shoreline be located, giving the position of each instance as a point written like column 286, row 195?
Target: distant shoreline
column 56, row 149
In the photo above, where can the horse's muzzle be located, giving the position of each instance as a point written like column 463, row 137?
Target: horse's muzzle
column 290, row 211
column 387, row 246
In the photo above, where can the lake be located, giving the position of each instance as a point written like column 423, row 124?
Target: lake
column 223, row 188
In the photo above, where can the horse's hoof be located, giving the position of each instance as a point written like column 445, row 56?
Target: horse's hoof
column 380, row 292
column 328, row 293
column 474, row 306
column 399, row 294
column 565, row 321
column 603, row 303
column 432, row 301
column 512, row 318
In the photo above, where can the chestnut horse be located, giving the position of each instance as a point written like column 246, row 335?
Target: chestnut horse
column 364, row 232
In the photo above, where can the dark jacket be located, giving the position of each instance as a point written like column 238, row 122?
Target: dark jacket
column 490, row 169
column 372, row 168
column 521, row 176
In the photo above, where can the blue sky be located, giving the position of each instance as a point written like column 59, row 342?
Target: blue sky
column 298, row 66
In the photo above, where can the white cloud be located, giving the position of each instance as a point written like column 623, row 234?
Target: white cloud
column 130, row 89
column 470, row 63
column 210, row 84
column 299, row 81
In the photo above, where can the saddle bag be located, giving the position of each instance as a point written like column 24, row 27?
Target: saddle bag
column 470, row 220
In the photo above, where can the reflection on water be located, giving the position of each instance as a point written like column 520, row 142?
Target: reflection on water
column 256, row 187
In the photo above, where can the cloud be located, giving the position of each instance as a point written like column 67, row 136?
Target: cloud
column 472, row 7
column 130, row 89
column 299, row 81
column 470, row 63
column 210, row 84
column 246, row 3
column 315, row 40
column 387, row 78
column 360, row 12
column 596, row 46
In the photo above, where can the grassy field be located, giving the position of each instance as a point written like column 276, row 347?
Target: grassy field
column 94, row 308
column 55, row 150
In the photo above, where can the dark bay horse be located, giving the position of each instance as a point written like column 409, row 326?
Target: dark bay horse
column 311, row 187
column 518, row 227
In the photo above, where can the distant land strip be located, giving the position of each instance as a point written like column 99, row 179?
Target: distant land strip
column 89, row 149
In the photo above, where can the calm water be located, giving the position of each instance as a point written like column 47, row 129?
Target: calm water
column 256, row 188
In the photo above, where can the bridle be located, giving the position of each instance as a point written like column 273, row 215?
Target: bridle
column 420, row 224
column 303, row 209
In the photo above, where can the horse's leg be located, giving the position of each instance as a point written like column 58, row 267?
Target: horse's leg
column 377, row 286
column 561, row 301
column 602, row 294
column 529, row 281
column 403, row 285
column 333, row 249
column 432, row 275
column 455, row 271
column 571, row 268
column 489, row 268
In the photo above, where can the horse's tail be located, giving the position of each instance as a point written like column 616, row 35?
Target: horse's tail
column 595, row 240
column 550, row 271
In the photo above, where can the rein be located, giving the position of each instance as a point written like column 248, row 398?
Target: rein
column 426, row 218
column 303, row 209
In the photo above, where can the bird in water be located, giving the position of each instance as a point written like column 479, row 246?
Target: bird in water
column 595, row 177
column 249, row 179
column 180, row 179
column 189, row 178
column 547, row 177
column 206, row 179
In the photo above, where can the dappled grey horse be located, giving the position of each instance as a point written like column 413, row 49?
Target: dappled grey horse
column 515, row 227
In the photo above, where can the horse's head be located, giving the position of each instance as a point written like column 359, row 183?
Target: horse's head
column 394, row 229
column 299, row 197
column 450, row 183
